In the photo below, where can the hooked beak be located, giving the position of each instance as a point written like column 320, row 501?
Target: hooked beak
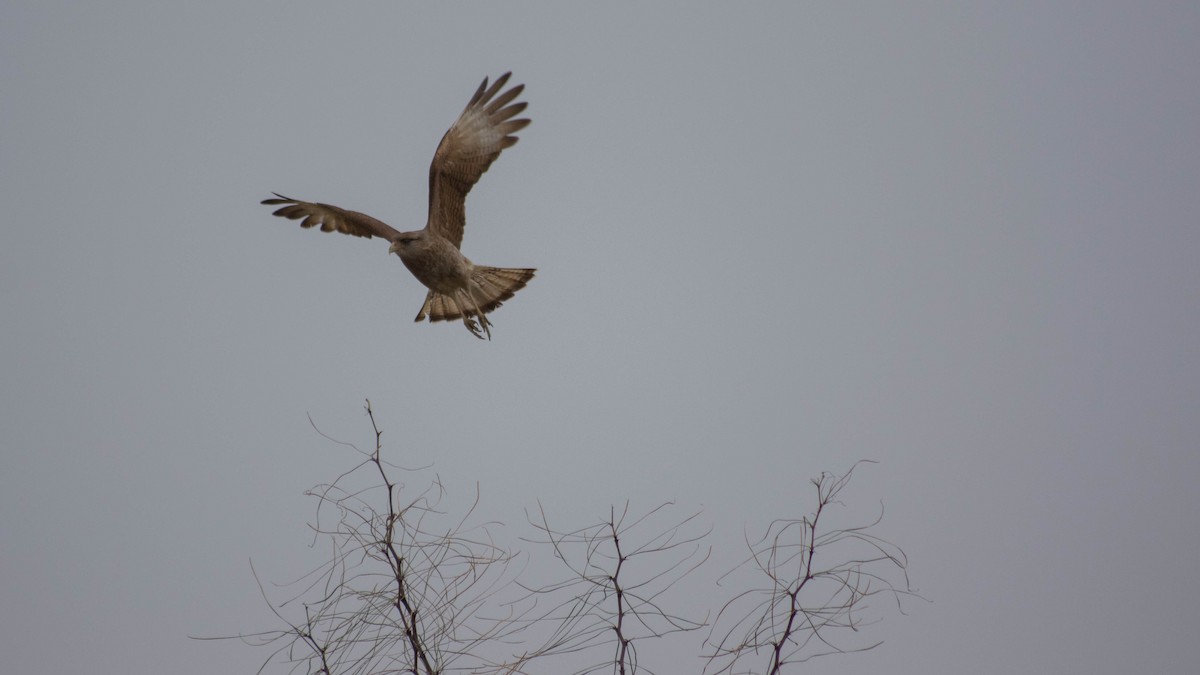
column 395, row 248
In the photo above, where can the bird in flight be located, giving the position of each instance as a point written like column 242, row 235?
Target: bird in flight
column 458, row 288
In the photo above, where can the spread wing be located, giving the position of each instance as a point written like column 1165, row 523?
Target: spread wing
column 331, row 218
column 475, row 140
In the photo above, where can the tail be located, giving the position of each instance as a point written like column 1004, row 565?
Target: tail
column 489, row 288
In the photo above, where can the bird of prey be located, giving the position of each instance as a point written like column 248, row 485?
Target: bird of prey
column 458, row 288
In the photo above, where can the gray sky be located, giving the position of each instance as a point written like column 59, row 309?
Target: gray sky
column 959, row 239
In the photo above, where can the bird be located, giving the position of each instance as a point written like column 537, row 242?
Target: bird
column 458, row 288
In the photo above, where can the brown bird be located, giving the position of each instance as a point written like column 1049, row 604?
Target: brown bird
column 458, row 288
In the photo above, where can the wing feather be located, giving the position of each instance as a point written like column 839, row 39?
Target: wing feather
column 331, row 218
column 469, row 147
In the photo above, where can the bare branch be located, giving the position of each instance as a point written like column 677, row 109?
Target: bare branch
column 404, row 590
column 409, row 588
column 798, row 606
column 617, row 569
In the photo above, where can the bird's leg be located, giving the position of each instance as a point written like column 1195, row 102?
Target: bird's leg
column 469, row 321
column 483, row 320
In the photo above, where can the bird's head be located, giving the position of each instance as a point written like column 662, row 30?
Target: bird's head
column 406, row 239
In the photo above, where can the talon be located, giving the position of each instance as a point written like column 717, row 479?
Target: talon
column 472, row 326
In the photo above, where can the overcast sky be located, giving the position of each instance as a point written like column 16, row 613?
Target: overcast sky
column 960, row 239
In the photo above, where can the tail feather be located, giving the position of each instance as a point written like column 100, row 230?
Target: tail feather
column 489, row 288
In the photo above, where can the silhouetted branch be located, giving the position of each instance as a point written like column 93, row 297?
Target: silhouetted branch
column 617, row 570
column 790, row 616
column 409, row 589
column 402, row 592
